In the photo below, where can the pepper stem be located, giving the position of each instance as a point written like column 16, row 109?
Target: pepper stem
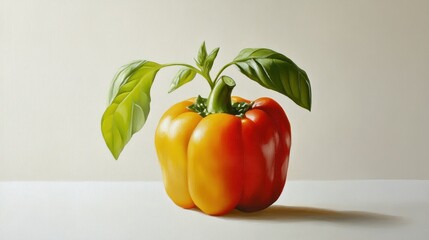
column 219, row 100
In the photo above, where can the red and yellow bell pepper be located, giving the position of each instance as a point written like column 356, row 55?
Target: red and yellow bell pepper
column 222, row 161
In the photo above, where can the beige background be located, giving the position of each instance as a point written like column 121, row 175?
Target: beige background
column 367, row 62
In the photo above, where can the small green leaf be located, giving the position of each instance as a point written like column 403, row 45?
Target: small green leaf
column 210, row 60
column 277, row 72
column 183, row 76
column 130, row 106
column 202, row 55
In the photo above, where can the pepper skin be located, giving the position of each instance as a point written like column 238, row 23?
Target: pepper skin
column 222, row 161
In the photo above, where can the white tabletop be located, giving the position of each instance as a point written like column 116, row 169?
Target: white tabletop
column 375, row 209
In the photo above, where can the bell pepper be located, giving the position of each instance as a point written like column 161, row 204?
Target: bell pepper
column 222, row 161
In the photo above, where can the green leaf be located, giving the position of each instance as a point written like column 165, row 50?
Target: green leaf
column 130, row 106
column 210, row 60
column 277, row 72
column 202, row 55
column 120, row 78
column 183, row 76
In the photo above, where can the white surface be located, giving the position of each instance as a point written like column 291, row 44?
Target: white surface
column 367, row 63
column 141, row 210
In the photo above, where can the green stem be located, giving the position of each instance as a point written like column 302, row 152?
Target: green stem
column 221, row 70
column 219, row 100
column 211, row 83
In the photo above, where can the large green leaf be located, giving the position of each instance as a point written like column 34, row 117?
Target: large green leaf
column 130, row 105
column 277, row 72
column 121, row 77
